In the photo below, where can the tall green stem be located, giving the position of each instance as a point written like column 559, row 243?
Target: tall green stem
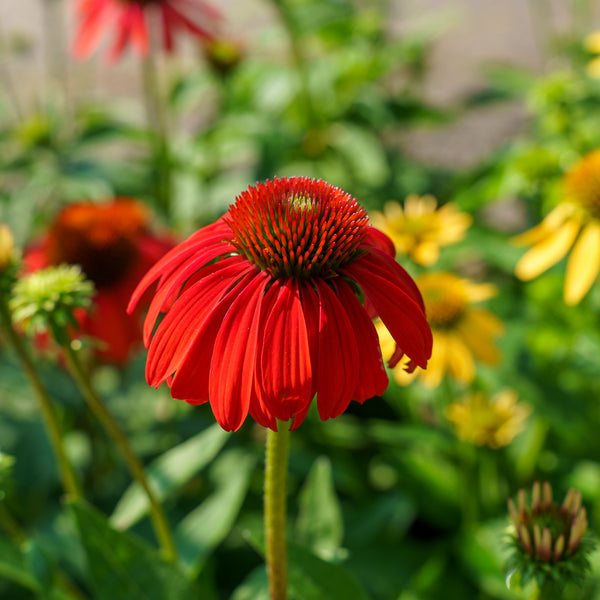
column 157, row 125
column 159, row 520
column 68, row 476
column 276, row 465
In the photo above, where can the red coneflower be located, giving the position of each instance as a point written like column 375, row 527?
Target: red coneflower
column 131, row 20
column 114, row 247
column 266, row 307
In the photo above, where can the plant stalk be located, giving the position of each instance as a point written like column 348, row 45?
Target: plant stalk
column 97, row 406
column 69, row 478
column 276, row 466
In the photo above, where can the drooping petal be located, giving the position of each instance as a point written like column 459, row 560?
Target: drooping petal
column 402, row 316
column 547, row 252
column 191, row 379
column 583, row 264
column 459, row 359
column 90, row 30
column 233, row 367
column 378, row 239
column 285, row 368
column 179, row 255
column 372, row 378
column 139, row 30
column 183, row 321
column 338, row 355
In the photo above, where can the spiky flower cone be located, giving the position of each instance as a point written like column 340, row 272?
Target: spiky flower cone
column 548, row 540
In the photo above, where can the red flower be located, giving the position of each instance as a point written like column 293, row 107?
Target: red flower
column 112, row 244
column 265, row 308
column 132, row 19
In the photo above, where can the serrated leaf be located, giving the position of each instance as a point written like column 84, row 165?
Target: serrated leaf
column 206, row 526
column 124, row 567
column 320, row 526
column 168, row 473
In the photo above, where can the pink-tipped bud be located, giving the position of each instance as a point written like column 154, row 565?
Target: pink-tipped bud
column 578, row 528
column 522, row 503
column 565, row 508
column 535, row 498
column 525, row 539
column 546, row 546
column 514, row 515
column 559, row 547
column 546, row 496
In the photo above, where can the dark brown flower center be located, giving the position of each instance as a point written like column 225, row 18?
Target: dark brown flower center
column 101, row 238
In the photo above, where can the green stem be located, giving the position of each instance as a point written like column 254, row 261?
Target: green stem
column 276, row 464
column 97, row 406
column 68, row 476
column 157, row 125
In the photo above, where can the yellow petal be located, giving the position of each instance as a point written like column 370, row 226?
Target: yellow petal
column 437, row 364
column 460, row 360
column 583, row 264
column 552, row 221
column 478, row 292
column 593, row 68
column 479, row 342
column 592, row 42
column 426, row 253
column 548, row 252
column 417, row 206
column 485, row 322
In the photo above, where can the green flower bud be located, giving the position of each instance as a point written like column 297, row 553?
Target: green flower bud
column 548, row 540
column 46, row 300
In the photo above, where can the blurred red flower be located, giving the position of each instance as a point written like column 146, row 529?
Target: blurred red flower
column 266, row 307
column 114, row 247
column 131, row 20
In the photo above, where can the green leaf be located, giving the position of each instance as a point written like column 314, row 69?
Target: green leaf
column 254, row 587
column 14, row 566
column 206, row 526
column 124, row 567
column 168, row 473
column 320, row 526
column 311, row 577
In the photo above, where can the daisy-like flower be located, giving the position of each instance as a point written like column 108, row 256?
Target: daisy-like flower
column 572, row 225
column 420, row 229
column 462, row 333
column 272, row 304
column 114, row 246
column 130, row 22
column 484, row 421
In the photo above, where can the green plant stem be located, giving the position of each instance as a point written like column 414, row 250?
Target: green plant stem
column 69, row 478
column 157, row 125
column 547, row 591
column 276, row 465
column 97, row 406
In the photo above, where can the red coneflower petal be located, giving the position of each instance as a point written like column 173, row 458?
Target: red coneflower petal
column 94, row 16
column 232, row 368
column 172, row 284
column 401, row 314
column 191, row 379
column 176, row 20
column 285, row 368
column 179, row 255
column 372, row 378
column 377, row 239
column 338, row 355
column 123, row 27
column 181, row 324
column 139, row 30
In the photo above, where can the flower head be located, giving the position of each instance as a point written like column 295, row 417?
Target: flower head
column 113, row 245
column 268, row 307
column 547, row 538
column 461, row 332
column 572, row 225
column 420, row 229
column 485, row 421
column 131, row 20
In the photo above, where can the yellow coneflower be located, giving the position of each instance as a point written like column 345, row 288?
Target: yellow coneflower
column 462, row 333
column 485, row 421
column 592, row 44
column 574, row 223
column 420, row 229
